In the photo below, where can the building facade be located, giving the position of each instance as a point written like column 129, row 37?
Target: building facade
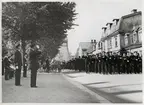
column 123, row 33
column 131, row 27
column 86, row 48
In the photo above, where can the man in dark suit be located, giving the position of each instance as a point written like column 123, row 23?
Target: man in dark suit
column 88, row 64
column 25, row 67
column 34, row 64
column 2, row 66
column 18, row 64
column 6, row 67
column 47, row 65
column 124, row 63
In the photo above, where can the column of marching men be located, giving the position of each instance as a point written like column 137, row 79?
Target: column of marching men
column 108, row 63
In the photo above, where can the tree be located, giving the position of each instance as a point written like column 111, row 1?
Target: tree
column 45, row 23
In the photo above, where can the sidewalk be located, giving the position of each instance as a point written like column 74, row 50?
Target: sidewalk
column 124, row 88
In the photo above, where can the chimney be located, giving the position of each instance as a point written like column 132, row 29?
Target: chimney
column 104, row 28
column 134, row 11
column 110, row 24
column 116, row 21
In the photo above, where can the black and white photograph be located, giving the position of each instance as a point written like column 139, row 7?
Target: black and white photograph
column 71, row 51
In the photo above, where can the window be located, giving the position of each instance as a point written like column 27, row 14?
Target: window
column 116, row 43
column 126, row 39
column 99, row 45
column 131, row 39
column 139, row 35
column 110, row 43
column 134, row 37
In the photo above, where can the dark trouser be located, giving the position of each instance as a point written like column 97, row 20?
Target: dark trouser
column 113, row 68
column 140, row 67
column 103, row 67
column 17, row 76
column 110, row 68
column 118, row 68
column 25, row 71
column 88, row 68
column 2, row 69
column 6, row 73
column 99, row 67
column 47, row 70
column 136, row 69
column 33, row 76
column 11, row 74
column 128, row 68
column 106, row 68
column 96, row 68
column 124, row 68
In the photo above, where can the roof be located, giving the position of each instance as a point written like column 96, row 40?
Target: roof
column 84, row 45
column 132, row 14
column 130, row 21
column 136, row 28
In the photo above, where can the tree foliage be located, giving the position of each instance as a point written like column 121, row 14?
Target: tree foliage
column 45, row 23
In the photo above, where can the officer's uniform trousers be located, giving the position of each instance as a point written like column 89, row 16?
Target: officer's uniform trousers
column 33, row 75
column 18, row 75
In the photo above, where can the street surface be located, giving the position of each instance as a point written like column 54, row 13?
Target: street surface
column 52, row 88
column 123, row 88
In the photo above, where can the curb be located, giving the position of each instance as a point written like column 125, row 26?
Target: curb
column 98, row 97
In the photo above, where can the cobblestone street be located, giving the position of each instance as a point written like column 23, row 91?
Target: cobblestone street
column 52, row 88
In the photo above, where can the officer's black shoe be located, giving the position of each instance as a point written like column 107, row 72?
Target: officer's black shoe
column 34, row 86
column 18, row 85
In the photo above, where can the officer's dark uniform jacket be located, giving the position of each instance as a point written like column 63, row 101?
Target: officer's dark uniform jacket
column 18, row 59
column 34, row 65
column 18, row 63
column 6, row 67
column 34, row 59
column 6, row 63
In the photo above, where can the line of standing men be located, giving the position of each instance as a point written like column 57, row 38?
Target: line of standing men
column 34, row 65
column 108, row 63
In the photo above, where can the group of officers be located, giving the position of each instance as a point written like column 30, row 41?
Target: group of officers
column 12, row 66
column 108, row 63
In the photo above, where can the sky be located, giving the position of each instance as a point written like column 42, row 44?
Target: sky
column 93, row 15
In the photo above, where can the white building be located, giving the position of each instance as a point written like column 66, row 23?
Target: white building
column 85, row 48
column 111, row 36
column 116, row 34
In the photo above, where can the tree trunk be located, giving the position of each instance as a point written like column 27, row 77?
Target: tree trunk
column 23, row 59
